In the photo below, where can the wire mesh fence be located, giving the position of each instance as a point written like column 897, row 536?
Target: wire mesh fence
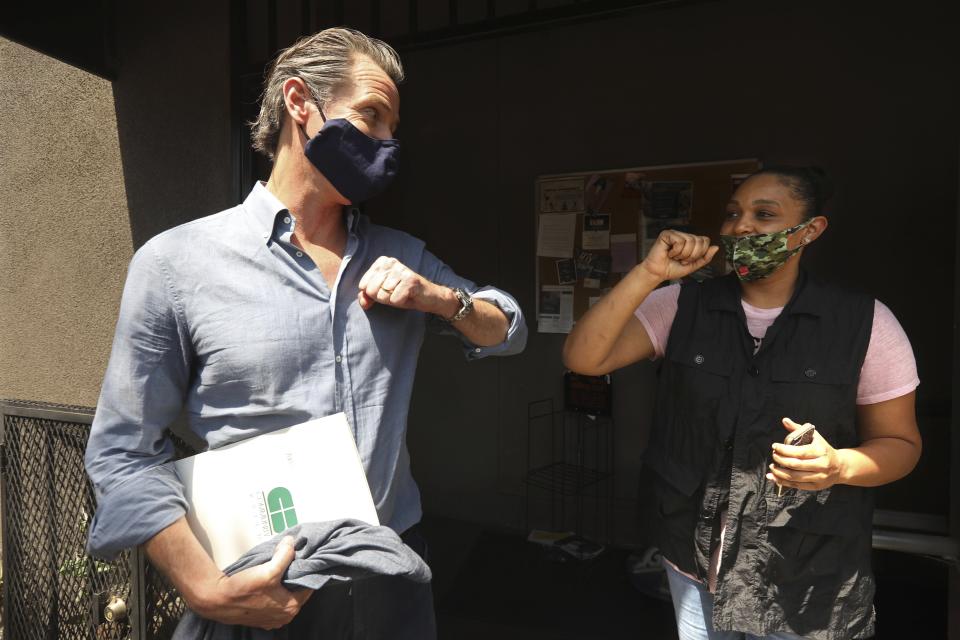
column 51, row 587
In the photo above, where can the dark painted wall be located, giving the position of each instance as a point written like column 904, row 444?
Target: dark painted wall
column 172, row 97
column 872, row 97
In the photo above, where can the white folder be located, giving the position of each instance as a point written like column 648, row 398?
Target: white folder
column 244, row 493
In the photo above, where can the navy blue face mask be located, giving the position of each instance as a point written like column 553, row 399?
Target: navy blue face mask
column 358, row 166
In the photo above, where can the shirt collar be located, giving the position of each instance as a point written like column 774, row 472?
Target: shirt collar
column 266, row 208
column 353, row 218
column 809, row 298
column 726, row 296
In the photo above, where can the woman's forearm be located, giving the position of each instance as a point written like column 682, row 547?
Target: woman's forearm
column 592, row 341
column 605, row 339
column 878, row 461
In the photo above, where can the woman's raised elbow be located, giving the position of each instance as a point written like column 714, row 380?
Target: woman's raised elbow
column 577, row 363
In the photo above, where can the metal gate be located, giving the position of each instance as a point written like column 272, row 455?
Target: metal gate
column 51, row 587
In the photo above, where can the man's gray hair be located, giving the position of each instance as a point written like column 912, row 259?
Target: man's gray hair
column 323, row 61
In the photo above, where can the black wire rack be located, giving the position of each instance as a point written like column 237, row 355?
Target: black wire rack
column 569, row 459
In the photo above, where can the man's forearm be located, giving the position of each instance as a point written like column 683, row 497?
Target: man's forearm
column 177, row 553
column 254, row 597
column 485, row 326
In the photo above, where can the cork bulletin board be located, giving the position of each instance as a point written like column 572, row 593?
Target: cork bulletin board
column 593, row 227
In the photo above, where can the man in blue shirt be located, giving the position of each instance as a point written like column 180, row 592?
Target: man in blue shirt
column 288, row 307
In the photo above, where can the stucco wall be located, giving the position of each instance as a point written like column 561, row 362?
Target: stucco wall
column 64, row 232
column 89, row 171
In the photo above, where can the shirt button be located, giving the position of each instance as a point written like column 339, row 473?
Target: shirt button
column 338, row 358
column 698, row 358
column 810, row 373
column 299, row 254
column 286, row 219
column 753, row 370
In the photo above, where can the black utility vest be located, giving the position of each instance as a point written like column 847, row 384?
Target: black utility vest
column 798, row 563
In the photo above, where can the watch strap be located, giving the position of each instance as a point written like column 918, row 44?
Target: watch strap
column 466, row 305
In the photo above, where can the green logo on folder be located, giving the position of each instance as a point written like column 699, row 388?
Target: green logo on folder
column 280, row 507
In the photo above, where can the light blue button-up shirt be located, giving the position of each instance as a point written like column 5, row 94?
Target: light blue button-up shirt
column 225, row 320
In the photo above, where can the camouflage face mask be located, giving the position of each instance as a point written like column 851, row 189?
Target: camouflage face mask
column 758, row 256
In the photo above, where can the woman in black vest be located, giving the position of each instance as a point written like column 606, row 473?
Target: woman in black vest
column 760, row 538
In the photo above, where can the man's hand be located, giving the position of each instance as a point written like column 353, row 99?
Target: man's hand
column 255, row 597
column 676, row 254
column 390, row 282
column 811, row 467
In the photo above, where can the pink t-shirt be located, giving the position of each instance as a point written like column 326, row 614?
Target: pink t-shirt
column 889, row 369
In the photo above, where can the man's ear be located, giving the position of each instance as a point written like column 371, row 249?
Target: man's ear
column 295, row 100
column 816, row 226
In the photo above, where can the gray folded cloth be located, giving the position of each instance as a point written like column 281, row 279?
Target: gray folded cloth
column 336, row 550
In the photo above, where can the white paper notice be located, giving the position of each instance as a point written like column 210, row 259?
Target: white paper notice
column 556, row 235
column 596, row 231
column 563, row 195
column 245, row 493
column 556, row 309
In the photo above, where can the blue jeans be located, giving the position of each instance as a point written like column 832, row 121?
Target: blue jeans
column 693, row 604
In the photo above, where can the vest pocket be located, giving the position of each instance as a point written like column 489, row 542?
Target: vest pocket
column 807, row 540
column 822, row 395
column 694, row 384
column 702, row 357
column 677, row 516
column 699, row 381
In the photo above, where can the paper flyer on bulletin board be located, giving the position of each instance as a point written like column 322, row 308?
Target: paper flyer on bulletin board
column 561, row 195
column 556, row 309
column 593, row 227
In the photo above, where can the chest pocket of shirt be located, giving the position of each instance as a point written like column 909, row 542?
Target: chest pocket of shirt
column 807, row 390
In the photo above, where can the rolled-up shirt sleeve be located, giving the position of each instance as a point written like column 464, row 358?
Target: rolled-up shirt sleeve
column 143, row 392
column 437, row 271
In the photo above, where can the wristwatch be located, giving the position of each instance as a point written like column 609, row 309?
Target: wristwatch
column 466, row 305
